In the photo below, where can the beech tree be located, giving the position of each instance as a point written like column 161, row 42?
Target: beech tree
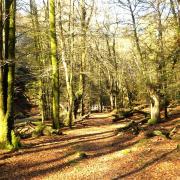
column 67, row 57
column 153, row 88
column 84, row 20
column 39, row 54
column 55, row 64
column 7, row 74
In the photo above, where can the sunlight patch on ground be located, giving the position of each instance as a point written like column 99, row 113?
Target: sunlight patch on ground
column 100, row 115
column 92, row 130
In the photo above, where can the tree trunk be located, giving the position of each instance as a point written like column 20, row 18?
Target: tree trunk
column 7, row 120
column 3, row 124
column 82, row 82
column 1, row 62
column 83, row 54
column 68, row 76
column 155, row 104
column 161, row 61
column 55, row 65
column 67, row 64
column 11, row 69
column 116, row 72
column 39, row 56
column 155, row 108
column 100, row 90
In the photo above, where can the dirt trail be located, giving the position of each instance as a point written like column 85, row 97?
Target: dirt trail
column 109, row 155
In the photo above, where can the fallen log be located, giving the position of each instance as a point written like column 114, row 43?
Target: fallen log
column 86, row 116
column 126, row 114
column 162, row 133
column 133, row 126
column 117, row 118
column 141, row 112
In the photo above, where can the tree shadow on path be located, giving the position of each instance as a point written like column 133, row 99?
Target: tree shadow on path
column 146, row 165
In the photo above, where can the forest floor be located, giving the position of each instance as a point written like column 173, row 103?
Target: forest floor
column 93, row 150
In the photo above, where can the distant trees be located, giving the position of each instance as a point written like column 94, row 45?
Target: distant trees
column 102, row 61
column 84, row 26
column 149, row 22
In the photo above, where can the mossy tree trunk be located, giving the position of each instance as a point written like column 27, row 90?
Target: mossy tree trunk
column 47, row 92
column 3, row 124
column 39, row 58
column 11, row 68
column 7, row 109
column 1, row 61
column 55, row 65
column 67, row 60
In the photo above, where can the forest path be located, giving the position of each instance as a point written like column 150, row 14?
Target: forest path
column 109, row 155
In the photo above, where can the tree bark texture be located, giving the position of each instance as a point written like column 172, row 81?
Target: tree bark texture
column 55, row 65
